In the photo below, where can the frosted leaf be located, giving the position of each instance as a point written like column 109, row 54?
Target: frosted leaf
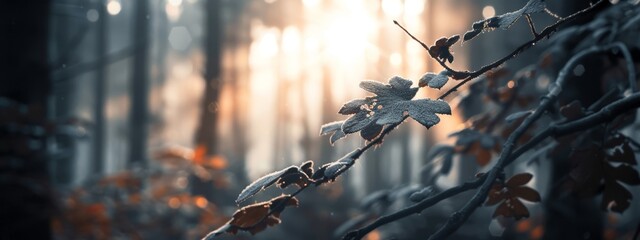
column 424, row 111
column 332, row 168
column 392, row 113
column 439, row 80
column 333, row 128
column 371, row 132
column 352, row 106
column 390, row 106
column 356, row 122
column 400, row 83
column 504, row 21
column 264, row 182
column 426, row 78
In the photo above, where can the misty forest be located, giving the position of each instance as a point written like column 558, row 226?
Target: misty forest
column 320, row 119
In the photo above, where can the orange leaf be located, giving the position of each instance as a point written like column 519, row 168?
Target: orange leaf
column 199, row 154
column 523, row 225
column 216, row 162
column 537, row 232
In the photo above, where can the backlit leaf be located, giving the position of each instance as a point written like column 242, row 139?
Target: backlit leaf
column 504, row 21
column 264, row 182
column 390, row 105
column 333, row 128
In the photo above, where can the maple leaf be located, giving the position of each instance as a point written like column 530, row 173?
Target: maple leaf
column 594, row 172
column 390, row 105
column 509, row 195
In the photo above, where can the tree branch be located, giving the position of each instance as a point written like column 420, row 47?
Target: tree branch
column 458, row 218
column 606, row 114
column 544, row 34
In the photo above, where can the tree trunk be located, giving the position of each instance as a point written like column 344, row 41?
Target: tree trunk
column 100, row 89
column 25, row 204
column 206, row 132
column 139, row 86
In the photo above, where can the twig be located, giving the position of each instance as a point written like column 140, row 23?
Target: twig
column 411, row 35
column 552, row 14
column 544, row 34
column 414, row 209
column 468, row 77
column 531, row 25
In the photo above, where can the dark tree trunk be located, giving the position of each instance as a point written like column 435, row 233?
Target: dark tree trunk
column 100, row 89
column 138, row 114
column 206, row 132
column 25, row 202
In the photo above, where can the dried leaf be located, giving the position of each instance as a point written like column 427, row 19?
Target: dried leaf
column 335, row 128
column 496, row 195
column 440, row 49
column 519, row 180
column 256, row 217
column 593, row 172
column 526, row 193
column 307, row 168
column 264, row 182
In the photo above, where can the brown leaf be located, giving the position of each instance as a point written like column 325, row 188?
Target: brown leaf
column 615, row 197
column 496, row 195
column 483, row 156
column 440, row 49
column 519, row 180
column 502, row 210
column 299, row 178
column 626, row 174
column 623, row 154
column 519, row 210
column 525, row 193
column 307, row 168
column 256, row 217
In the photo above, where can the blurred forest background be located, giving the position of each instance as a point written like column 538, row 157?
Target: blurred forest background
column 165, row 109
